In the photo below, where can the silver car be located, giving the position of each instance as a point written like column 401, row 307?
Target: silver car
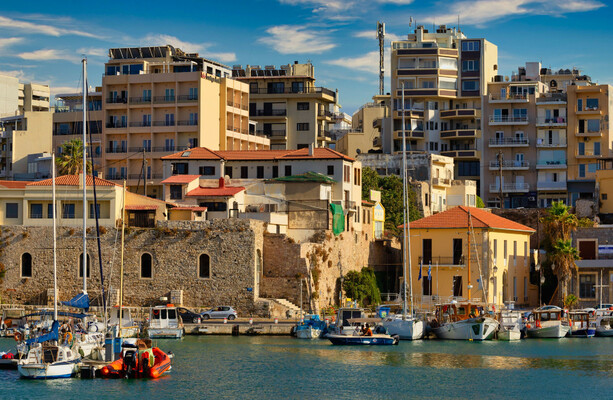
column 219, row 312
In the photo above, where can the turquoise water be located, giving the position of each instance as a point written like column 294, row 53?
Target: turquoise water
column 282, row 367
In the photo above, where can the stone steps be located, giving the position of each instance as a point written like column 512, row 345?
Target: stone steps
column 287, row 304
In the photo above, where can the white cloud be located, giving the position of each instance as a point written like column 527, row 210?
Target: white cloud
column 397, row 2
column 92, row 51
column 50, row 55
column 8, row 42
column 19, row 74
column 319, row 5
column 369, row 62
column 64, row 89
column 373, row 35
column 188, row 47
column 31, row 27
column 222, row 57
column 287, row 39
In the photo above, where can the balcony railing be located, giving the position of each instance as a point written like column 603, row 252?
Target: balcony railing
column 325, row 113
column 139, row 149
column 347, row 204
column 548, row 185
column 510, row 164
column 140, row 124
column 550, row 163
column 116, row 150
column 508, row 96
column 140, row 176
column 272, row 133
column 117, row 100
column 163, row 123
column 512, row 141
column 510, row 187
column 507, row 119
column 436, row 260
column 169, row 148
column 116, row 177
column 270, row 113
column 540, row 142
column 140, row 100
column 551, row 121
column 187, row 122
column 305, row 90
column 164, row 99
column 187, row 97
column 441, row 181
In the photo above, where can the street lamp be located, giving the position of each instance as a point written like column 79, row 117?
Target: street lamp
column 541, row 281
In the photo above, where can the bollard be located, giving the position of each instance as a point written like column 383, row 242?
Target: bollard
column 276, row 320
column 250, row 321
column 225, row 320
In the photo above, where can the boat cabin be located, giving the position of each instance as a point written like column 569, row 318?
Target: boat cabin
column 453, row 312
column 547, row 315
column 164, row 317
column 345, row 314
column 48, row 354
column 581, row 318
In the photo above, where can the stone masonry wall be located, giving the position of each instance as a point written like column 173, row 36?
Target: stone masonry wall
column 175, row 249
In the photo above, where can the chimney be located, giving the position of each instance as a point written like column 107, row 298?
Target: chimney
column 311, row 150
column 222, row 182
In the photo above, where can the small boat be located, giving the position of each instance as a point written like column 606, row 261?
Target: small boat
column 604, row 326
column 129, row 327
column 164, row 323
column 139, row 360
column 406, row 327
column 463, row 321
column 582, row 324
column 510, row 325
column 342, row 326
column 377, row 337
column 547, row 322
column 312, row 327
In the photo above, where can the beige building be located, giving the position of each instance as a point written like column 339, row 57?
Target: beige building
column 17, row 98
column 365, row 132
column 159, row 100
column 442, row 76
column 288, row 107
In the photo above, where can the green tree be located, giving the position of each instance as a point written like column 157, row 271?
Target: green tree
column 362, row 286
column 563, row 257
column 370, row 181
column 480, row 203
column 70, row 162
column 570, row 301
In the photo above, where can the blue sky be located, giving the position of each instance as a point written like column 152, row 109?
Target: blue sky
column 338, row 36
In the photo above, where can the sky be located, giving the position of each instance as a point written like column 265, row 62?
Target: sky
column 337, row 36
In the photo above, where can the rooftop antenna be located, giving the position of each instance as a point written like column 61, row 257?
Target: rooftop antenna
column 458, row 22
column 381, row 37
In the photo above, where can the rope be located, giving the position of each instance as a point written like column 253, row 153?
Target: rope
column 472, row 231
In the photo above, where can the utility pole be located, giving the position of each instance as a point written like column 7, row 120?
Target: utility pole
column 500, row 160
column 145, row 173
column 381, row 37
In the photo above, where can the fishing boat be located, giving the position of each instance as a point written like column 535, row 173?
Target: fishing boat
column 511, row 324
column 139, row 360
column 311, row 327
column 164, row 323
column 604, row 326
column 582, row 323
column 342, row 326
column 463, row 321
column 547, row 322
column 379, row 336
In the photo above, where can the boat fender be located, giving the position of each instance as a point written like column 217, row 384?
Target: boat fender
column 538, row 323
column 68, row 337
column 528, row 326
column 18, row 336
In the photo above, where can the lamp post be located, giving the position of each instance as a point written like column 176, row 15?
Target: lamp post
column 495, row 271
column 537, row 267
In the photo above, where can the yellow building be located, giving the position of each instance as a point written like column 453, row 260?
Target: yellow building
column 160, row 100
column 604, row 189
column 365, row 133
column 289, row 108
column 463, row 248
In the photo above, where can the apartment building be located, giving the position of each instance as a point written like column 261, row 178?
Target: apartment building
column 68, row 122
column 159, row 100
column 17, row 98
column 589, row 137
column 288, row 107
column 365, row 132
column 441, row 76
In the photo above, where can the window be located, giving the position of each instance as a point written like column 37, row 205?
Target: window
column 603, row 196
column 470, row 65
column 470, row 85
column 297, row 87
column 592, row 167
column 495, row 250
column 581, row 170
column 276, row 87
column 504, row 251
column 214, row 206
column 468, row 168
column 50, row 210
column 426, row 251
column 81, row 266
column 470, row 46
column 426, row 286
column 525, row 253
column 68, row 210
column 179, row 169
column 596, row 148
column 586, row 286
column 275, row 171
column 91, row 210
column 12, row 210
column 593, row 125
column 581, row 148
column 302, row 126
column 515, row 252
column 457, row 251
column 330, row 169
column 204, row 266
column 288, row 170
column 591, row 104
column 36, row 210
column 146, row 264
column 457, row 286
column 26, row 265
column 228, row 172
column 176, row 192
column 303, row 106
column 260, row 172
column 253, row 88
column 204, row 170
column 244, row 172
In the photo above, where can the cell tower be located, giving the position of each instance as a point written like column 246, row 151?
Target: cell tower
column 381, row 37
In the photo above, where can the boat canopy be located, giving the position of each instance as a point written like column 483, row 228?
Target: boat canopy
column 53, row 335
column 59, row 313
column 79, row 301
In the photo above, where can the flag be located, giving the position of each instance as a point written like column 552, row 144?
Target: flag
column 420, row 267
column 430, row 272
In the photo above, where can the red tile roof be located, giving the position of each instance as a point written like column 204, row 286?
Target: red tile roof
column 318, row 153
column 189, row 208
column 256, row 155
column 217, row 191
column 457, row 217
column 181, row 179
column 14, row 184
column 136, row 207
column 73, row 180
column 197, row 153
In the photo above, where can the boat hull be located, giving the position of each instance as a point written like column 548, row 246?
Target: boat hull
column 374, row 340
column 408, row 329
column 308, row 333
column 470, row 329
column 509, row 335
column 48, row 371
column 548, row 332
column 604, row 332
column 165, row 333
column 583, row 332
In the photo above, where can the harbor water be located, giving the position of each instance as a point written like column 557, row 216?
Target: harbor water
column 287, row 368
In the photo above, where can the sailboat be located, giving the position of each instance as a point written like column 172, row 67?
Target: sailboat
column 407, row 327
column 49, row 356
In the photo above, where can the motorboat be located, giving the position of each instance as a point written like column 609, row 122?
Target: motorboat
column 164, row 323
column 406, row 327
column 511, row 324
column 48, row 361
column 379, row 336
column 311, row 327
column 129, row 327
column 547, row 322
column 139, row 360
column 342, row 326
column 604, row 326
column 463, row 321
column 582, row 323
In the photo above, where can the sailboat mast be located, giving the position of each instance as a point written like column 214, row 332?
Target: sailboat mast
column 123, row 230
column 54, row 237
column 404, row 212
column 84, row 174
column 468, row 258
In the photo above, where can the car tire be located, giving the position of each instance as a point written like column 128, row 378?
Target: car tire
column 231, row 317
column 195, row 320
column 206, row 316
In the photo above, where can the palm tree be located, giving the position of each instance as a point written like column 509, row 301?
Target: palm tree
column 70, row 162
column 559, row 222
column 563, row 257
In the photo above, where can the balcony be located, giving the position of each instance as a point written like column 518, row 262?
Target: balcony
column 348, row 205
column 187, row 97
column 410, row 113
column 270, row 113
column 545, row 143
column 409, row 134
column 509, row 98
column 589, row 133
column 507, row 120
column 164, row 99
column 325, row 114
column 187, row 122
column 442, row 261
column 140, row 124
column 460, row 113
column 117, row 100
column 509, row 142
column 590, row 111
column 510, row 187
column 548, row 185
column 556, row 121
column 168, row 149
column 551, row 164
column 441, row 182
column 551, row 99
column 275, row 133
column 460, row 134
column 298, row 91
column 116, row 124
column 510, row 165
column 140, row 100
column 468, row 153
column 588, row 154
column 140, row 176
column 163, row 123
column 116, row 150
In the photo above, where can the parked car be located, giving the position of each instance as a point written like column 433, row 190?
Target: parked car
column 219, row 312
column 188, row 316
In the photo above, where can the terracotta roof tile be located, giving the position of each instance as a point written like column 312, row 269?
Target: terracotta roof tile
column 318, row 153
column 14, row 184
column 457, row 217
column 197, row 153
column 141, row 207
column 72, row 180
column 181, row 179
column 189, row 208
column 202, row 153
column 255, row 155
column 217, row 191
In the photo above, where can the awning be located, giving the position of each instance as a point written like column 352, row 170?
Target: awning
column 338, row 219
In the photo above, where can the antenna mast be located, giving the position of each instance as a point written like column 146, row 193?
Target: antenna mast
column 381, row 37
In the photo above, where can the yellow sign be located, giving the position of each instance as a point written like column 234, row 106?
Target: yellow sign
column 375, row 195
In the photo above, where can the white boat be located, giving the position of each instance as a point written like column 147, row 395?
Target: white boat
column 547, row 322
column 462, row 321
column 342, row 326
column 308, row 332
column 604, row 326
column 407, row 328
column 49, row 361
column 164, row 323
column 129, row 327
column 511, row 324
